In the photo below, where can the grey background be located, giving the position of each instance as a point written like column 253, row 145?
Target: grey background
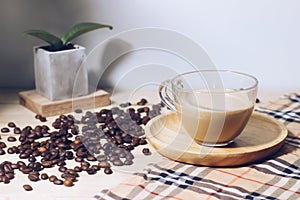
column 260, row 37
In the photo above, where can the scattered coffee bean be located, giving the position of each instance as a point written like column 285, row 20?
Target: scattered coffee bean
column 44, row 176
column 257, row 100
column 103, row 164
column 78, row 110
column 145, row 120
column 91, row 171
column 2, row 152
column 4, row 130
column 58, row 182
column 108, row 170
column 77, row 169
column 142, row 102
column 91, row 158
column 52, row 178
column 10, row 150
column 27, row 187
column 31, row 159
column 17, row 130
column 41, row 149
column 33, row 177
column 11, row 125
column 45, row 148
column 124, row 105
column 62, row 169
column 128, row 162
column 146, row 151
column 43, row 119
column 117, row 162
column 68, row 183
column 143, row 141
column 11, row 139
column 2, row 145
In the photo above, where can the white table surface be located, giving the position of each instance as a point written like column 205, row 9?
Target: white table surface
column 88, row 185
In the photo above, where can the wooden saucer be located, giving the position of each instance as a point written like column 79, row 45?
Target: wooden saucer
column 262, row 137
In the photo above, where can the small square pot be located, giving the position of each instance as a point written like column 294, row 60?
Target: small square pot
column 59, row 75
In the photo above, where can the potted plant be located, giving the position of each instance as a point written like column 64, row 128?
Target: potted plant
column 58, row 64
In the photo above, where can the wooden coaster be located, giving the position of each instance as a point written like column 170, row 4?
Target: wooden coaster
column 43, row 106
column 262, row 137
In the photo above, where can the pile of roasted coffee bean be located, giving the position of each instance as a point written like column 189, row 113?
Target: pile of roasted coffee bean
column 96, row 141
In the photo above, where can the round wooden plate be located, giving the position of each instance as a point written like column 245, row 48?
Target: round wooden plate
column 262, row 137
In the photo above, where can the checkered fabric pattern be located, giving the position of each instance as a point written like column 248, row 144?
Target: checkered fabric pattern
column 275, row 178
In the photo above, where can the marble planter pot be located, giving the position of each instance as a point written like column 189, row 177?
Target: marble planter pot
column 59, row 75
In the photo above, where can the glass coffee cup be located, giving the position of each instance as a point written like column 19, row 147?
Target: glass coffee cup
column 213, row 106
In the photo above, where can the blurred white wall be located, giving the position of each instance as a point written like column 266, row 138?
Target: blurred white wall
column 260, row 37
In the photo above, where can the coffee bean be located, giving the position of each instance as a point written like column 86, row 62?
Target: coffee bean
column 43, row 119
column 84, row 167
column 25, row 169
column 68, row 183
column 78, row 110
column 33, row 177
column 135, row 141
column 2, row 145
column 44, row 176
column 21, row 163
column 14, row 166
column 11, row 139
column 52, row 178
column 27, row 187
column 96, row 167
column 143, row 141
column 10, row 175
column 47, row 164
column 2, row 152
column 113, row 158
column 78, row 159
column 72, row 172
column 124, row 105
column 146, row 151
column 103, row 164
column 17, row 130
column 85, row 163
column 62, row 169
column 69, row 177
column 77, row 169
column 108, row 170
column 11, row 124
column 58, row 182
column 128, row 162
column 91, row 171
column 4, row 130
column 91, row 158
column 38, row 116
column 101, row 158
column 145, row 120
column 117, row 162
column 31, row 159
column 10, row 150
column 142, row 102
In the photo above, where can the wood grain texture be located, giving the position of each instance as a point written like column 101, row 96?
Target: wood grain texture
column 262, row 137
column 41, row 105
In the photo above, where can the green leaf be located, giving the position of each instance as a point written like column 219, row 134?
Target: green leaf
column 80, row 29
column 54, row 41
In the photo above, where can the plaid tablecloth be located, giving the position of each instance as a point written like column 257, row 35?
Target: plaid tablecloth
column 275, row 178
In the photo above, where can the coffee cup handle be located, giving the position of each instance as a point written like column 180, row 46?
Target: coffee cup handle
column 163, row 94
